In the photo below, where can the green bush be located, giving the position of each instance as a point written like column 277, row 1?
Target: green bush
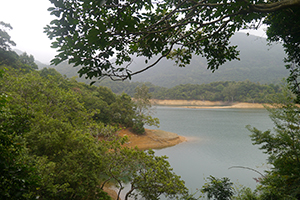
column 138, row 127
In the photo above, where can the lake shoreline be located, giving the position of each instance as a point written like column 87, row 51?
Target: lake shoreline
column 159, row 139
column 199, row 104
column 151, row 139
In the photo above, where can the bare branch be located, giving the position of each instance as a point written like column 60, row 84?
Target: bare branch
column 161, row 57
column 242, row 167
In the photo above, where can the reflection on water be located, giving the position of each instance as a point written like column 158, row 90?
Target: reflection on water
column 217, row 140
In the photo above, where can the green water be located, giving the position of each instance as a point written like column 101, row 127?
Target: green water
column 218, row 140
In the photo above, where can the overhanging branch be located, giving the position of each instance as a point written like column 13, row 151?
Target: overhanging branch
column 272, row 7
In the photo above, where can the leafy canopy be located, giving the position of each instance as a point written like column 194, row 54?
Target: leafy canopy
column 103, row 36
column 5, row 39
column 10, row 58
column 220, row 189
column 284, row 27
column 282, row 147
column 16, row 179
column 50, row 129
column 148, row 176
column 54, row 124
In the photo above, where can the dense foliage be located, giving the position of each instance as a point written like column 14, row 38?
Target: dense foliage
column 220, row 91
column 91, row 33
column 16, row 179
column 259, row 63
column 230, row 91
column 58, row 139
column 59, row 146
column 283, row 149
column 284, row 27
column 145, row 172
column 220, row 189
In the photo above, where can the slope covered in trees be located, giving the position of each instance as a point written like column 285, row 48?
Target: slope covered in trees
column 229, row 91
column 258, row 63
column 220, row 91
column 58, row 140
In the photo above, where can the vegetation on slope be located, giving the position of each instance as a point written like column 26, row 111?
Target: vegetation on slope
column 57, row 137
column 259, row 63
column 227, row 91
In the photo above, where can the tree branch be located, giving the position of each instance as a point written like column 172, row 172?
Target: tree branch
column 271, row 7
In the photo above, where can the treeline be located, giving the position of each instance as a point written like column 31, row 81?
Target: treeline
column 230, row 91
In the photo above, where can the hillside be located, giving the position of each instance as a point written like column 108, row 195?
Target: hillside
column 259, row 63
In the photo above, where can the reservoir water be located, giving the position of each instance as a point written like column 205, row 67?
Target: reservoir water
column 217, row 140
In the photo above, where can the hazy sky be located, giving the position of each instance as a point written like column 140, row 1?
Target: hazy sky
column 28, row 18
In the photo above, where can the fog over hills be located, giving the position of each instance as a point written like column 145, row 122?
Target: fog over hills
column 259, row 62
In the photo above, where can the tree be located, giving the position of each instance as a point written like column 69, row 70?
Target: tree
column 5, row 40
column 230, row 91
column 149, row 176
column 219, row 189
column 91, row 33
column 143, row 105
column 123, row 111
column 55, row 129
column 283, row 148
column 9, row 58
column 16, row 178
column 28, row 60
column 142, row 99
column 6, row 55
column 284, row 27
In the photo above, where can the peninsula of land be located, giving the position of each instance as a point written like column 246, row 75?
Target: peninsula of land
column 151, row 139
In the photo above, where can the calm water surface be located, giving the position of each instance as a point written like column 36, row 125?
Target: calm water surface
column 218, row 140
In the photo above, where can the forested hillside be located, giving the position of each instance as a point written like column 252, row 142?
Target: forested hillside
column 242, row 80
column 59, row 141
column 229, row 91
column 259, row 62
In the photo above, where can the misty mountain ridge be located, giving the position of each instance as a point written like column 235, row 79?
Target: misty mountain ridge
column 259, row 62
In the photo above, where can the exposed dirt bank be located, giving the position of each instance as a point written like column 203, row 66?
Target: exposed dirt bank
column 204, row 104
column 152, row 139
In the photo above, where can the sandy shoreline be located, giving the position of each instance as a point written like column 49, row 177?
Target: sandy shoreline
column 152, row 139
column 198, row 104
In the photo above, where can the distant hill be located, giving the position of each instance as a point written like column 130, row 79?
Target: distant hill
column 259, row 63
column 39, row 64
